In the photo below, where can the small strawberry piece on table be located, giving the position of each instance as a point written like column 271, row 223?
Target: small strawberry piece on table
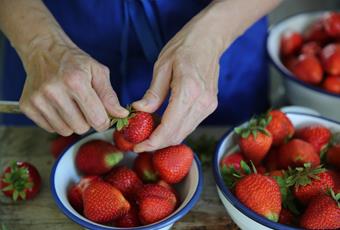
column 317, row 135
column 104, row 203
column 125, row 180
column 308, row 69
column 97, row 157
column 333, row 156
column 173, row 163
column 135, row 128
column 255, row 140
column 60, row 143
column 296, row 153
column 330, row 58
column 144, row 168
column 20, row 181
column 332, row 84
column 291, row 42
column 76, row 191
column 323, row 212
column 232, row 160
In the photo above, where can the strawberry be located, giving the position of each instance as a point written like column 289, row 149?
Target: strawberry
column 332, row 84
column 291, row 42
column 121, row 143
column 255, row 140
column 125, row 180
column 336, row 178
column 276, row 173
column 331, row 23
column 144, row 168
column 316, row 32
column 289, row 62
column 260, row 169
column 280, row 127
column 317, row 135
column 309, row 181
column 261, row 194
column 330, row 58
column 155, row 203
column 308, row 69
column 232, row 160
column 168, row 186
column 135, row 128
column 271, row 161
column 20, row 181
column 311, row 48
column 333, row 156
column 104, row 203
column 59, row 144
column 286, row 217
column 297, row 152
column 75, row 192
column 173, row 163
column 129, row 220
column 97, row 157
column 323, row 212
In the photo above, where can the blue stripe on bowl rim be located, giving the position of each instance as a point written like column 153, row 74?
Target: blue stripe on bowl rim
column 172, row 219
column 233, row 200
column 288, row 75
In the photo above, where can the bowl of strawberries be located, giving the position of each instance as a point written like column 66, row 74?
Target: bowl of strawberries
column 99, row 183
column 305, row 49
column 281, row 171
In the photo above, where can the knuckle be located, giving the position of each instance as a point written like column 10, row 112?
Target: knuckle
column 49, row 91
column 105, row 70
column 35, row 99
column 74, row 80
column 208, row 102
column 24, row 106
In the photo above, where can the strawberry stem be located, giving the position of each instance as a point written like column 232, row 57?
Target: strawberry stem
column 120, row 123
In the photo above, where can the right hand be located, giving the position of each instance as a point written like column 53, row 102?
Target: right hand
column 66, row 91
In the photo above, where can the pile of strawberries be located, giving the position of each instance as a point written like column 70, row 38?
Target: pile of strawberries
column 115, row 195
column 287, row 174
column 314, row 56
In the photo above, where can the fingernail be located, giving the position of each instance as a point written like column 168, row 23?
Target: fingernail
column 123, row 111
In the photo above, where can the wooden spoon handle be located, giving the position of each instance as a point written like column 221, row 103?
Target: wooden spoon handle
column 9, row 107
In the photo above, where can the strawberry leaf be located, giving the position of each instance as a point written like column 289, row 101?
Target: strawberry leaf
column 8, row 188
column 245, row 167
column 15, row 195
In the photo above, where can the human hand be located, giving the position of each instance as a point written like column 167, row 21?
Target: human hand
column 66, row 90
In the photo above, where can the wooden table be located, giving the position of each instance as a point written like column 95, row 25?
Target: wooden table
column 32, row 145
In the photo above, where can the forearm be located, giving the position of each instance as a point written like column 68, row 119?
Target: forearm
column 29, row 23
column 226, row 20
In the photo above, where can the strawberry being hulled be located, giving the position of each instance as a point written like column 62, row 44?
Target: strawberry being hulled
column 133, row 129
column 20, row 181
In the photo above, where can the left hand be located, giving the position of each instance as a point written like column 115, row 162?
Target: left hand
column 188, row 66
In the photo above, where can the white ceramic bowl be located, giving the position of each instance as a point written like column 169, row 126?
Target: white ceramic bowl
column 297, row 91
column 64, row 173
column 245, row 218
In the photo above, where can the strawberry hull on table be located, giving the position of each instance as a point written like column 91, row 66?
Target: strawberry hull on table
column 301, row 170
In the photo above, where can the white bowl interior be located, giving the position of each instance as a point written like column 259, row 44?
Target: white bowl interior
column 228, row 145
column 66, row 174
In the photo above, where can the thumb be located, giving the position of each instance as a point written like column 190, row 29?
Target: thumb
column 156, row 94
column 102, row 85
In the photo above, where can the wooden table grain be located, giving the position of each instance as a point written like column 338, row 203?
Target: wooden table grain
column 32, row 144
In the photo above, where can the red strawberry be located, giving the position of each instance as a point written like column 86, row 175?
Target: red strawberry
column 144, row 168
column 317, row 135
column 155, row 203
column 255, row 141
column 232, row 160
column 308, row 69
column 323, row 212
column 332, row 84
column 104, row 203
column 332, row 24
column 276, row 173
column 289, row 62
column 330, row 58
column 173, row 163
column 20, row 181
column 316, row 32
column 97, row 157
column 271, row 161
column 311, row 183
column 286, row 217
column 60, row 144
column 168, row 186
column 333, row 156
column 129, row 220
column 311, row 48
column 280, row 127
column 291, row 42
column 121, row 143
column 137, row 127
column 336, row 178
column 261, row 194
column 75, row 192
column 296, row 153
column 125, row 180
